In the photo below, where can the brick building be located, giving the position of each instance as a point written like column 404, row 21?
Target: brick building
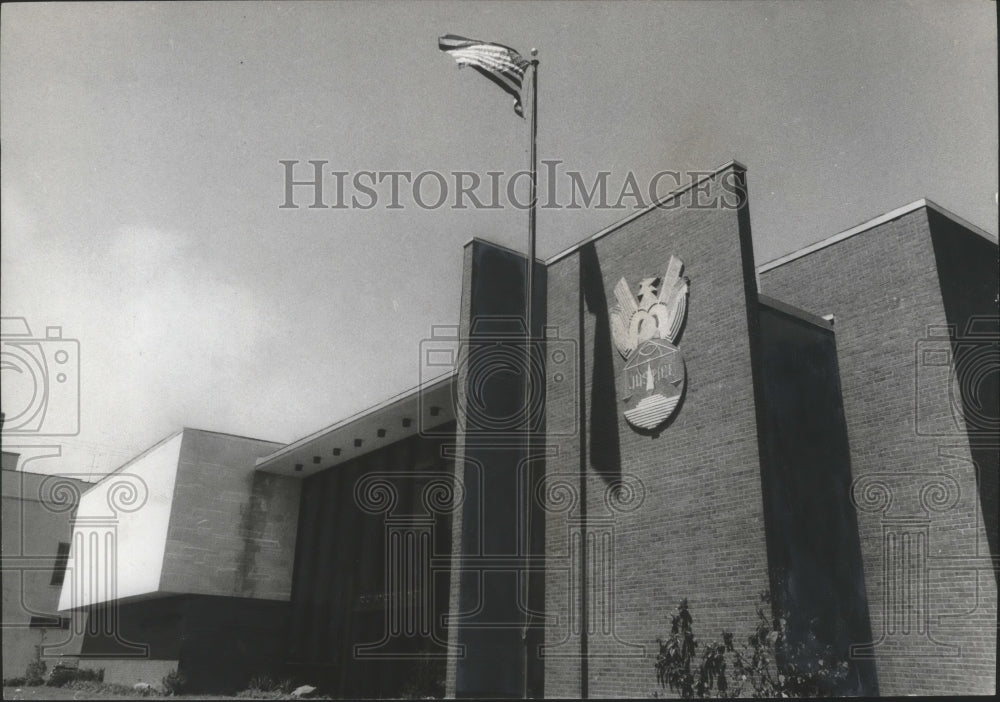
column 37, row 512
column 821, row 428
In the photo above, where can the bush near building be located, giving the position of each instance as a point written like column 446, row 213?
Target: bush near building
column 769, row 665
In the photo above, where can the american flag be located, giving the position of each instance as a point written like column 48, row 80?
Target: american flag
column 501, row 64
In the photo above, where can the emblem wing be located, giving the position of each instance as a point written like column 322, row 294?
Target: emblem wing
column 621, row 317
column 620, row 332
column 626, row 301
column 676, row 309
column 674, row 269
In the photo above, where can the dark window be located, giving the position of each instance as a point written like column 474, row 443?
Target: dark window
column 49, row 623
column 62, row 556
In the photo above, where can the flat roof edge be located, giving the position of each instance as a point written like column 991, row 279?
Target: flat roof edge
column 508, row 249
column 944, row 212
column 793, row 311
column 233, row 436
column 384, row 404
column 922, row 203
column 672, row 195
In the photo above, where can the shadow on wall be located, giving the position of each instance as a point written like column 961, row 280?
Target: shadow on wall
column 966, row 266
column 605, row 445
column 252, row 516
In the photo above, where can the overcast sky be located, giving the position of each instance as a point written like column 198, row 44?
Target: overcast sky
column 141, row 183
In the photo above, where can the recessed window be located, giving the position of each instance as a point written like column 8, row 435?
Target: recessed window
column 62, row 557
column 49, row 623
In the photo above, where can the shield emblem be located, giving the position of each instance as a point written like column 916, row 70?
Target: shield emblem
column 652, row 383
column 644, row 331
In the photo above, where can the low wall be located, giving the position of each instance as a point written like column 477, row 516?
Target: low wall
column 129, row 671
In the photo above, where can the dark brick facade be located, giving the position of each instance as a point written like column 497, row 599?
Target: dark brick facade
column 893, row 289
column 698, row 532
column 818, row 462
column 360, row 625
column 814, row 551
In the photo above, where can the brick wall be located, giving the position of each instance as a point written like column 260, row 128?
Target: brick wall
column 817, row 575
column 457, row 527
column 883, row 285
column 699, row 531
column 491, row 549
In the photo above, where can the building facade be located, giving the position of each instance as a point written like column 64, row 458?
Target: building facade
column 37, row 512
column 683, row 424
column 181, row 560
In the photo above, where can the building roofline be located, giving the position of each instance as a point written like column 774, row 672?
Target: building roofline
column 48, row 475
column 82, row 485
column 167, row 438
column 132, row 460
column 922, row 203
column 508, row 249
column 944, row 212
column 793, row 311
column 672, row 195
column 434, row 383
column 233, row 436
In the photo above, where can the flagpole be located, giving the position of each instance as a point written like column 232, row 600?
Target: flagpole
column 529, row 349
column 534, row 183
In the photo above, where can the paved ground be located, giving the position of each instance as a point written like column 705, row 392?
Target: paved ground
column 59, row 693
column 50, row 693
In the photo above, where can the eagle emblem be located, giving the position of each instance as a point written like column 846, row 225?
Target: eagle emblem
column 644, row 331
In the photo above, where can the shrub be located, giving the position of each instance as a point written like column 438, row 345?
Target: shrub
column 62, row 675
column 35, row 673
column 95, row 688
column 174, row 683
column 266, row 683
column 676, row 664
column 13, row 682
column 263, row 686
column 772, row 665
column 768, row 666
